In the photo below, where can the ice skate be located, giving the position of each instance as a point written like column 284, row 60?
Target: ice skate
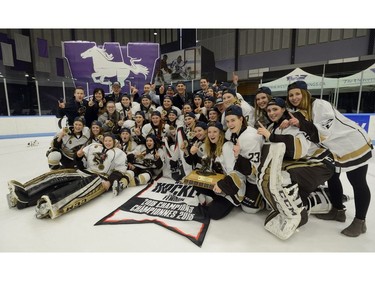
column 115, row 188
column 42, row 209
column 319, row 202
column 119, row 186
column 12, row 197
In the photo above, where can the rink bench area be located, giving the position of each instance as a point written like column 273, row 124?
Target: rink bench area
column 47, row 125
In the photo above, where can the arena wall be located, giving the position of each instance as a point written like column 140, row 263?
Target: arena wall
column 28, row 126
column 39, row 126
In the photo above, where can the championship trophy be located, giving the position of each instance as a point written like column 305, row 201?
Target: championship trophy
column 204, row 177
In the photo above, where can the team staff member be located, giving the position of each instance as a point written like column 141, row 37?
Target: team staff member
column 74, row 107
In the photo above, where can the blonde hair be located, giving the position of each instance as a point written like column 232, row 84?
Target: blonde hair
column 305, row 106
column 258, row 111
column 212, row 149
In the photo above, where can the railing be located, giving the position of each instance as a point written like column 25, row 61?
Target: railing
column 39, row 97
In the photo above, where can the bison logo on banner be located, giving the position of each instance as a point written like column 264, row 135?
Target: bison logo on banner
column 93, row 66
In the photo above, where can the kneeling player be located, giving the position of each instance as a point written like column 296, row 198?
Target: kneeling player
column 292, row 167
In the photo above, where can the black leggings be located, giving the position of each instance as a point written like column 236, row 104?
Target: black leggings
column 219, row 207
column 362, row 195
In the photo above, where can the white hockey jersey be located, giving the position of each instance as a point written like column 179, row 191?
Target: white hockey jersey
column 248, row 113
column 349, row 143
column 135, row 106
column 71, row 143
column 250, row 144
column 104, row 161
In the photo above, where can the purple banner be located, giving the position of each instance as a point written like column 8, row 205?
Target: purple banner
column 95, row 66
column 60, row 67
column 42, row 48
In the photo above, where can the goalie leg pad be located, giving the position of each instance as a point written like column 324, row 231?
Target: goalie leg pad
column 73, row 196
column 52, row 179
column 282, row 190
column 269, row 151
column 283, row 199
column 281, row 226
column 27, row 194
column 14, row 198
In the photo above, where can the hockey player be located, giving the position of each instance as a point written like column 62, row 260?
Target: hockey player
column 173, row 120
column 350, row 145
column 305, row 166
column 262, row 97
column 157, row 126
column 111, row 119
column 185, row 136
column 246, row 145
column 165, row 108
column 146, row 163
column 127, row 108
column 126, row 143
column 96, row 132
column 146, row 106
column 136, row 126
column 172, row 167
column 218, row 159
column 58, row 192
column 193, row 154
column 230, row 97
column 198, row 108
column 66, row 143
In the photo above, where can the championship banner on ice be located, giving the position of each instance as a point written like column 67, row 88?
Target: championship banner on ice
column 172, row 205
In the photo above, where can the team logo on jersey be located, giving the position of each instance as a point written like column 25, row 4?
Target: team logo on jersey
column 327, row 123
column 99, row 158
